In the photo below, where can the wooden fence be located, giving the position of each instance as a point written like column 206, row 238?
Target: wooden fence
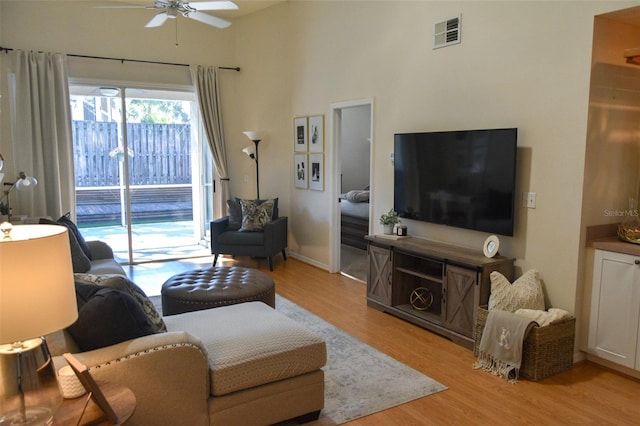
column 160, row 172
column 161, row 153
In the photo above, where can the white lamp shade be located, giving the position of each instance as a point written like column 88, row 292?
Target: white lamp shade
column 249, row 150
column 37, row 291
column 26, row 183
column 254, row 135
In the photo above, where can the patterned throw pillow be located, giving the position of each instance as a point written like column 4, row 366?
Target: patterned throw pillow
column 525, row 292
column 274, row 216
column 254, row 215
column 122, row 283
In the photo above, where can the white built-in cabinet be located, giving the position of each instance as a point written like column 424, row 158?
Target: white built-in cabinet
column 613, row 332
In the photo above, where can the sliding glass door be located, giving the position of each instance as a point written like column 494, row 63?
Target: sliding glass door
column 139, row 170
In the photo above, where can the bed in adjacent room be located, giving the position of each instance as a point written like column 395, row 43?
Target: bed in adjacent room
column 354, row 218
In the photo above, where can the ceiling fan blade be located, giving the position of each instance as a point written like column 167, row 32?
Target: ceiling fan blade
column 208, row 19
column 214, row 5
column 157, row 5
column 125, row 7
column 157, row 20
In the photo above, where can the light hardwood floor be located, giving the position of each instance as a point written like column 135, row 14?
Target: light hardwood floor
column 585, row 395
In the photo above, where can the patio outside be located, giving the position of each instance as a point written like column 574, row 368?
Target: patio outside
column 155, row 241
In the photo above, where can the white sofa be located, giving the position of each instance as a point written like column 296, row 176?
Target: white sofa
column 103, row 261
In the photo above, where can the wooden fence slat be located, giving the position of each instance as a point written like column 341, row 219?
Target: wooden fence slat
column 161, row 156
column 161, row 153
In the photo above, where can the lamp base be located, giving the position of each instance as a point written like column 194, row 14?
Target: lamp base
column 33, row 416
column 29, row 393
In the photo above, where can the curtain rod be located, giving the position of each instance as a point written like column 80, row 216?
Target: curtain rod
column 123, row 60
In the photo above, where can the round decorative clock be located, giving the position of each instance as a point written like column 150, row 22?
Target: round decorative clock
column 491, row 246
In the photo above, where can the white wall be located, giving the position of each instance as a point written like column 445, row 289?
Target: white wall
column 260, row 100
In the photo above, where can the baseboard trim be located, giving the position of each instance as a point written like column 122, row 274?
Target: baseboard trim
column 308, row 260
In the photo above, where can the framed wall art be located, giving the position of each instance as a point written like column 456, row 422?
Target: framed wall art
column 300, row 134
column 301, row 171
column 316, row 133
column 316, row 167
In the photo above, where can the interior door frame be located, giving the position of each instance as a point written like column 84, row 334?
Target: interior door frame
column 336, row 142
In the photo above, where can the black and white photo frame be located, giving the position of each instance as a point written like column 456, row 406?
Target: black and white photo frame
column 316, row 172
column 300, row 141
column 316, row 134
column 301, row 171
column 308, row 148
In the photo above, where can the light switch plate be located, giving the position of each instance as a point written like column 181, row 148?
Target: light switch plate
column 529, row 200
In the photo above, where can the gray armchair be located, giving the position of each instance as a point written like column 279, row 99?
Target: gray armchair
column 271, row 241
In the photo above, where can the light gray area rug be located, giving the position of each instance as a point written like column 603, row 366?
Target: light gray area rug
column 359, row 380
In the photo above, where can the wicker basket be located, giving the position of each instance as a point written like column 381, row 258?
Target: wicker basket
column 629, row 232
column 546, row 351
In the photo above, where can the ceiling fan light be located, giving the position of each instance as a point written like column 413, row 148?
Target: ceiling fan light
column 171, row 12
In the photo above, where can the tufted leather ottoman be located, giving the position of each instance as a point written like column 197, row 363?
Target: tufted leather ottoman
column 214, row 287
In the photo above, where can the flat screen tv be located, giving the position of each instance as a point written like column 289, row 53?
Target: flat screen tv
column 461, row 178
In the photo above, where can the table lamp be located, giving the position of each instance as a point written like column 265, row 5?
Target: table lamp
column 37, row 297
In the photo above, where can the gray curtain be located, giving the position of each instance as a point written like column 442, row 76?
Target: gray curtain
column 41, row 132
column 208, row 91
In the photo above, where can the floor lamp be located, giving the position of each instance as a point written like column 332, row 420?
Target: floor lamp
column 256, row 137
column 38, row 298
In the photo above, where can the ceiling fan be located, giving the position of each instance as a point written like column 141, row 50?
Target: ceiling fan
column 169, row 9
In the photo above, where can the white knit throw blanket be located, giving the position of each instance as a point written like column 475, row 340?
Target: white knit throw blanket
column 500, row 350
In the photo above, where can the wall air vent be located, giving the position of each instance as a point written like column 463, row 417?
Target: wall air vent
column 446, row 33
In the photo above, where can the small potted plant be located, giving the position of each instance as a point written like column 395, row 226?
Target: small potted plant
column 118, row 153
column 388, row 221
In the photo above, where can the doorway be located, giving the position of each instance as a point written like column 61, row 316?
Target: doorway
column 137, row 168
column 353, row 145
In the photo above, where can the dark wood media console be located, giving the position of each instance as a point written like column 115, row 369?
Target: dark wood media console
column 434, row 285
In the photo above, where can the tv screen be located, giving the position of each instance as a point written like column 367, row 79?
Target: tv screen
column 462, row 178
